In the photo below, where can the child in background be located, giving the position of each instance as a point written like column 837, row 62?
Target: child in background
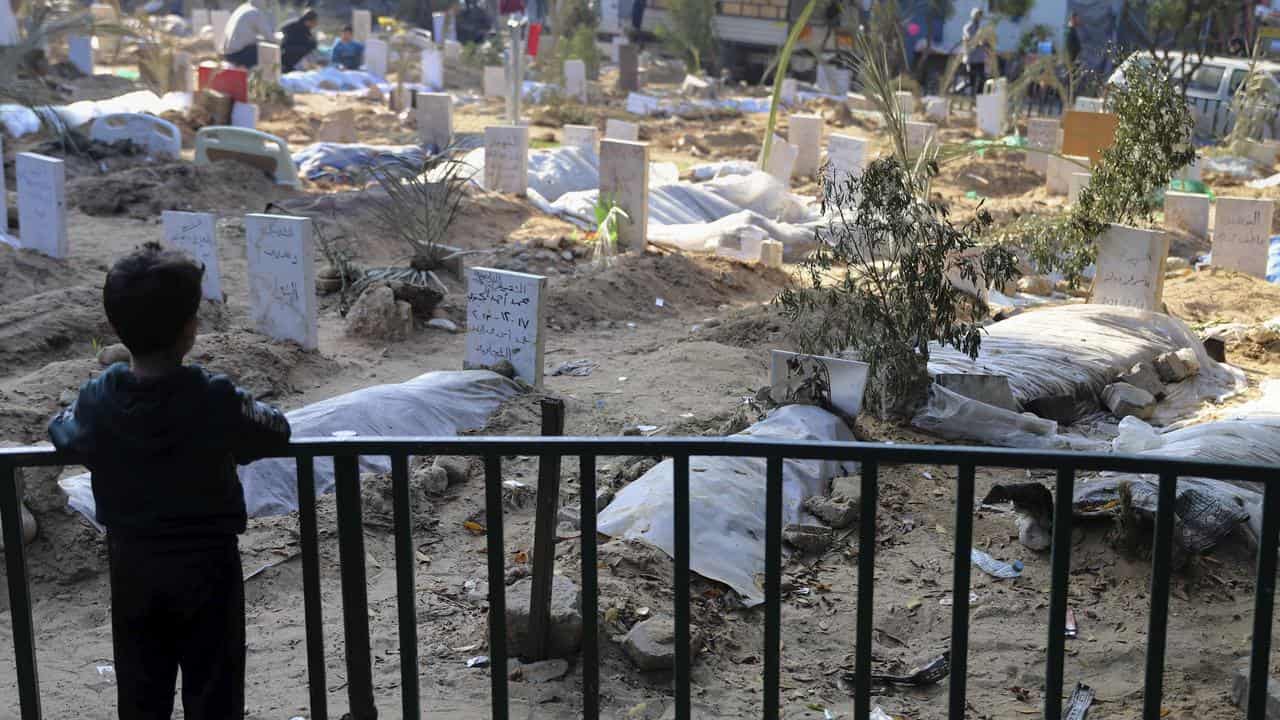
column 347, row 53
column 162, row 440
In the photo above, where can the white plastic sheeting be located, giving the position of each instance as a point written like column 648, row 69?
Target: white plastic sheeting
column 331, row 160
column 727, row 500
column 19, row 120
column 436, row 404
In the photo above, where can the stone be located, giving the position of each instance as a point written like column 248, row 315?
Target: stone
column 628, row 68
column 431, row 478
column 808, row 538
column 42, row 204
column 936, row 109
column 432, row 66
column 1035, row 285
column 1188, row 212
column 771, row 254
column 575, row 80
column 1240, row 692
column 789, row 89
column 1176, row 264
column 113, row 354
column 377, row 315
column 615, row 129
column 1130, row 268
column 196, row 234
column 566, row 617
column 282, row 278
column 624, row 176
column 1058, row 171
column 338, row 127
column 456, row 467
column 805, row 132
column 839, row 514
column 422, row 299
column 506, row 159
column 1042, row 134
column 1058, row 408
column 434, row 114
column 1242, row 235
column 991, row 110
column 698, row 87
column 1123, row 400
column 1143, row 375
column 538, row 672
column 506, row 321
column 846, row 155
column 990, row 389
column 651, row 644
column 580, row 136
column 29, row 527
column 1178, row 365
column 443, row 324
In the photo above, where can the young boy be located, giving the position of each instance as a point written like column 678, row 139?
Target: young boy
column 347, row 53
column 162, row 440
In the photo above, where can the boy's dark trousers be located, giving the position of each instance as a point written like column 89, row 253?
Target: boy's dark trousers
column 178, row 602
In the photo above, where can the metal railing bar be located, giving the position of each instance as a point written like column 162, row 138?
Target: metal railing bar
column 773, row 588
column 406, row 597
column 479, row 445
column 497, row 585
column 1060, row 563
column 15, row 567
column 960, row 592
column 866, row 588
column 680, row 500
column 1158, row 620
column 355, row 591
column 1263, row 604
column 312, row 608
column 590, row 610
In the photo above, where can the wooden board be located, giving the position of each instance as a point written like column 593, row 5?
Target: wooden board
column 1088, row 133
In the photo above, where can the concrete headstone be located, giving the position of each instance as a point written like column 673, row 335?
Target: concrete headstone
column 906, row 103
column 580, row 136
column 42, row 204
column 575, row 79
column 937, row 109
column 624, row 176
column 269, row 62
column 1059, row 171
column 495, row 81
column 1242, row 234
column 80, row 52
column 452, row 50
column 1188, row 212
column 435, row 119
column 805, row 132
column 628, row 68
column 338, row 127
column 788, row 95
column 506, row 158
column 183, row 78
column 1077, row 183
column 218, row 20
column 846, row 155
column 848, row 379
column 244, row 115
column 375, row 57
column 991, row 113
column 919, row 134
column 433, row 68
column 282, row 277
column 197, row 235
column 781, row 162
column 361, row 25
column 437, row 26
column 1042, row 134
column 199, row 19
column 615, row 129
column 505, row 321
column 1130, row 268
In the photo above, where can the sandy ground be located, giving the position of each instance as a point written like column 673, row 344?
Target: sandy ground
column 683, row 367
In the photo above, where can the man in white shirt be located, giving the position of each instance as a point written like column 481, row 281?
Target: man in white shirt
column 247, row 25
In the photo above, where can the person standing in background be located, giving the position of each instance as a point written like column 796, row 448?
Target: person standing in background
column 248, row 25
column 1073, row 38
column 975, row 52
column 297, row 40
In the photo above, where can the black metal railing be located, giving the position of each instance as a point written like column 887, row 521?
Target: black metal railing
column 360, row 690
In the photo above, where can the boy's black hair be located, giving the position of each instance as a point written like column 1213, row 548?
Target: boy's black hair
column 348, row 28
column 150, row 295
column 310, row 15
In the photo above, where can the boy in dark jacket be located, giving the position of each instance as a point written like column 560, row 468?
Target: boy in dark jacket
column 162, row 440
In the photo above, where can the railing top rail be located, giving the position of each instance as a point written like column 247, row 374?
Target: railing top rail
column 890, row 454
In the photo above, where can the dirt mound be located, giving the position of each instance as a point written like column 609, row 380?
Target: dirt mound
column 144, row 192
column 998, row 176
column 266, row 368
column 752, row 328
column 1214, row 296
column 53, row 325
column 631, row 290
column 24, row 273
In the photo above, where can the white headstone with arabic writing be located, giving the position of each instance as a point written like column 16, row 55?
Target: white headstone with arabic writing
column 42, row 204
column 624, row 176
column 375, row 57
column 1042, row 134
column 196, row 234
column 1242, row 234
column 1130, row 268
column 846, row 155
column 580, row 136
column 1187, row 211
column 361, row 25
column 805, row 132
column 506, row 158
column 282, row 278
column 615, row 129
column 435, row 119
column 575, row 79
column 505, row 321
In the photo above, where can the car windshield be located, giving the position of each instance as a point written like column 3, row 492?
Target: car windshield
column 1207, row 78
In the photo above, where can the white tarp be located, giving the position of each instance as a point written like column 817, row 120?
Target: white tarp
column 19, row 120
column 727, row 500
column 436, row 404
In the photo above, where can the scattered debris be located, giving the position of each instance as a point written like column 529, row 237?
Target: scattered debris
column 1178, row 365
column 808, row 538
column 575, row 368
column 926, row 674
column 1123, row 400
column 996, row 568
column 1078, row 704
column 1034, row 504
